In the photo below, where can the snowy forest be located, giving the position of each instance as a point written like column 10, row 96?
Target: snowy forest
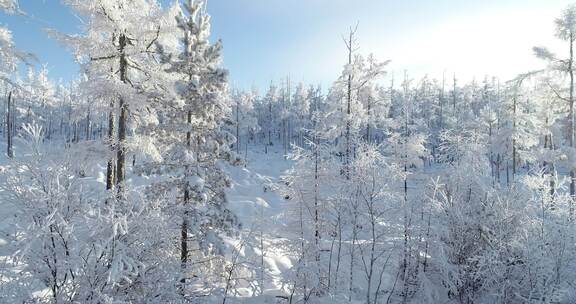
column 149, row 178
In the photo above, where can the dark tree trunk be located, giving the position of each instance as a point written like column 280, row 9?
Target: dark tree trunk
column 10, row 149
column 121, row 153
column 110, row 167
column 184, row 227
column 88, row 125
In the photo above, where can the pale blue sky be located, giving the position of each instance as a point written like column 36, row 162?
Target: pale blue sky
column 268, row 39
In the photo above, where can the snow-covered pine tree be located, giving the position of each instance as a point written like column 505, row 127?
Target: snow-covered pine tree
column 191, row 140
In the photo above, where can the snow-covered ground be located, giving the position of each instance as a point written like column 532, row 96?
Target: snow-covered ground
column 252, row 189
column 261, row 211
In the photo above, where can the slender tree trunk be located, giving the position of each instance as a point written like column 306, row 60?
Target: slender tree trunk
column 331, row 254
column 88, row 125
column 69, row 128
column 269, row 143
column 353, row 255
column 49, row 129
column 184, row 227
column 339, row 255
column 454, row 95
column 10, row 149
column 4, row 128
column 246, row 149
column 514, row 137
column 122, row 118
column 110, row 172
column 571, row 126
column 302, row 245
column 75, row 137
column 317, row 205
column 369, row 109
column 426, row 247
column 238, row 126
column 121, row 153
column 491, row 157
column 184, row 241
column 498, row 162
column 406, row 221
column 348, row 106
column 285, row 121
column 441, row 101
column 549, row 166
column 373, row 245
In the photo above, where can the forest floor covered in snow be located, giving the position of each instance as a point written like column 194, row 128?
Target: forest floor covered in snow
column 261, row 211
